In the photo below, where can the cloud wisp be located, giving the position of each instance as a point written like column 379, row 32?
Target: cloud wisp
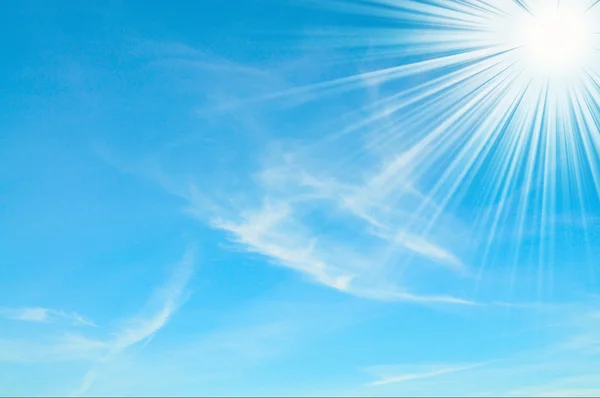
column 364, row 227
column 44, row 315
column 561, row 367
column 368, row 238
column 168, row 299
column 434, row 372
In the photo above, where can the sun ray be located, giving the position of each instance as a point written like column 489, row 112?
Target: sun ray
column 507, row 101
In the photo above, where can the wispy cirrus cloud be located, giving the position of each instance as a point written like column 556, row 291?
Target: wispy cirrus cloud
column 273, row 233
column 167, row 300
column 67, row 347
column 43, row 315
column 563, row 366
column 360, row 227
column 95, row 351
column 431, row 372
column 367, row 234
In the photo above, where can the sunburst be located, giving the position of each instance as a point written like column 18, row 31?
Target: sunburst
column 507, row 105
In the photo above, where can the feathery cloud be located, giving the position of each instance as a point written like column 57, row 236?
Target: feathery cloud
column 142, row 327
column 43, row 315
column 438, row 371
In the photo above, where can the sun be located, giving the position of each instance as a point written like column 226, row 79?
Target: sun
column 557, row 42
column 494, row 107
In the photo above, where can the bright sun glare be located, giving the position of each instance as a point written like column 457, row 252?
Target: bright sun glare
column 557, row 42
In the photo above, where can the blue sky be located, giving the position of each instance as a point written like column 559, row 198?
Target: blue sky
column 295, row 198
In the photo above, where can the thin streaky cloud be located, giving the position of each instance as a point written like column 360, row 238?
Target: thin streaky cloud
column 141, row 328
column 424, row 375
column 44, row 315
column 172, row 296
column 265, row 234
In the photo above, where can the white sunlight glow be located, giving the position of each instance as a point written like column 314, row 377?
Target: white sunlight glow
column 557, row 42
column 495, row 101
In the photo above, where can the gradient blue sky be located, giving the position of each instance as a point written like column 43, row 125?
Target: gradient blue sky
column 187, row 209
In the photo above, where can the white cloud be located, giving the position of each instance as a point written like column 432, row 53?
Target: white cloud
column 66, row 348
column 171, row 297
column 75, row 347
column 275, row 232
column 43, row 315
column 371, row 234
column 562, row 367
column 261, row 232
column 29, row 314
column 380, row 205
column 379, row 218
column 437, row 371
column 139, row 328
